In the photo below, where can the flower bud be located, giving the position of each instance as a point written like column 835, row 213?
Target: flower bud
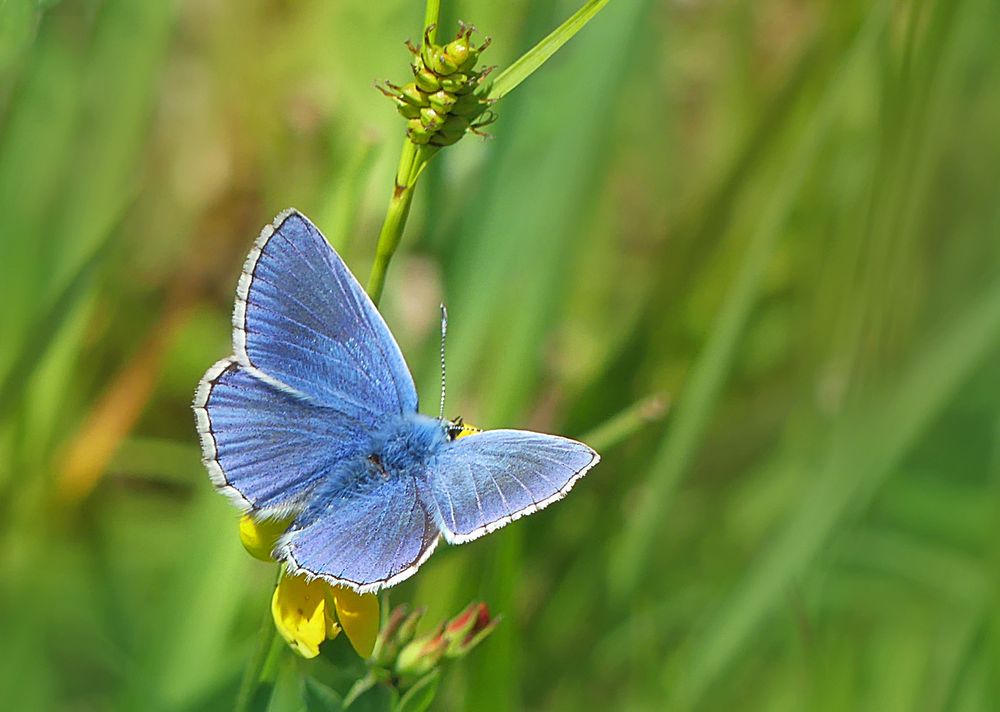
column 466, row 630
column 421, row 655
column 387, row 645
column 408, row 627
column 396, row 618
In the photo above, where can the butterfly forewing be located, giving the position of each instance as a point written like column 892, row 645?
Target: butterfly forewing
column 302, row 319
column 263, row 446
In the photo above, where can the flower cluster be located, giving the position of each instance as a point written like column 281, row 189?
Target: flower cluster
column 441, row 103
column 409, row 657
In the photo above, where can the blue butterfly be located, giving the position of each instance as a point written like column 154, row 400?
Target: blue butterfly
column 314, row 417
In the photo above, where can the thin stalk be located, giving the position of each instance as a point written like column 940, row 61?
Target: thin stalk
column 268, row 647
column 625, row 424
column 431, row 13
column 262, row 666
column 412, row 160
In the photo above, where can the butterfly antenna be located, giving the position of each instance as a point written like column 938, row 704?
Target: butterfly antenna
column 444, row 332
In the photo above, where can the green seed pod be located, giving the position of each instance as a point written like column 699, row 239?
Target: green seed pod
column 444, row 100
column 431, row 119
column 455, row 83
column 412, row 95
column 426, row 80
column 442, row 138
column 407, row 110
column 438, row 62
column 461, row 51
column 427, row 50
column 416, row 132
column 441, row 101
column 455, row 122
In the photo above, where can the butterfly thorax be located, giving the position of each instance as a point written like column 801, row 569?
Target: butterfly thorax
column 405, row 443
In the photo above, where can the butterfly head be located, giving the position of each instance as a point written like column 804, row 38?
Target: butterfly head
column 458, row 428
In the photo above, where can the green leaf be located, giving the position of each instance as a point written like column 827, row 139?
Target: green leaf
column 320, row 698
column 370, row 695
column 419, row 697
column 530, row 61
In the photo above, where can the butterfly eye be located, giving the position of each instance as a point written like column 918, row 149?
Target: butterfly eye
column 455, row 428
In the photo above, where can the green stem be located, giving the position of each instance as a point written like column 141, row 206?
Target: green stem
column 394, row 222
column 259, row 664
column 411, row 163
column 622, row 426
column 431, row 13
column 262, row 666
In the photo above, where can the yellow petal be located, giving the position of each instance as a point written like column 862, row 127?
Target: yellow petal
column 259, row 538
column 359, row 617
column 300, row 614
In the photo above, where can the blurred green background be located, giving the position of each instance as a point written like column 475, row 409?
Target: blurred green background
column 779, row 217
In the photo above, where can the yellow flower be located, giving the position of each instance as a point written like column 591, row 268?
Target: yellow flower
column 358, row 615
column 302, row 614
column 259, row 538
column 306, row 613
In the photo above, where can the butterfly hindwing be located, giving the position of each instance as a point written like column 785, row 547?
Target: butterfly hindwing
column 484, row 481
column 362, row 529
column 263, row 446
column 302, row 319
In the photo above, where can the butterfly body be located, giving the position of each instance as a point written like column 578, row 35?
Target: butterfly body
column 405, row 444
column 314, row 417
